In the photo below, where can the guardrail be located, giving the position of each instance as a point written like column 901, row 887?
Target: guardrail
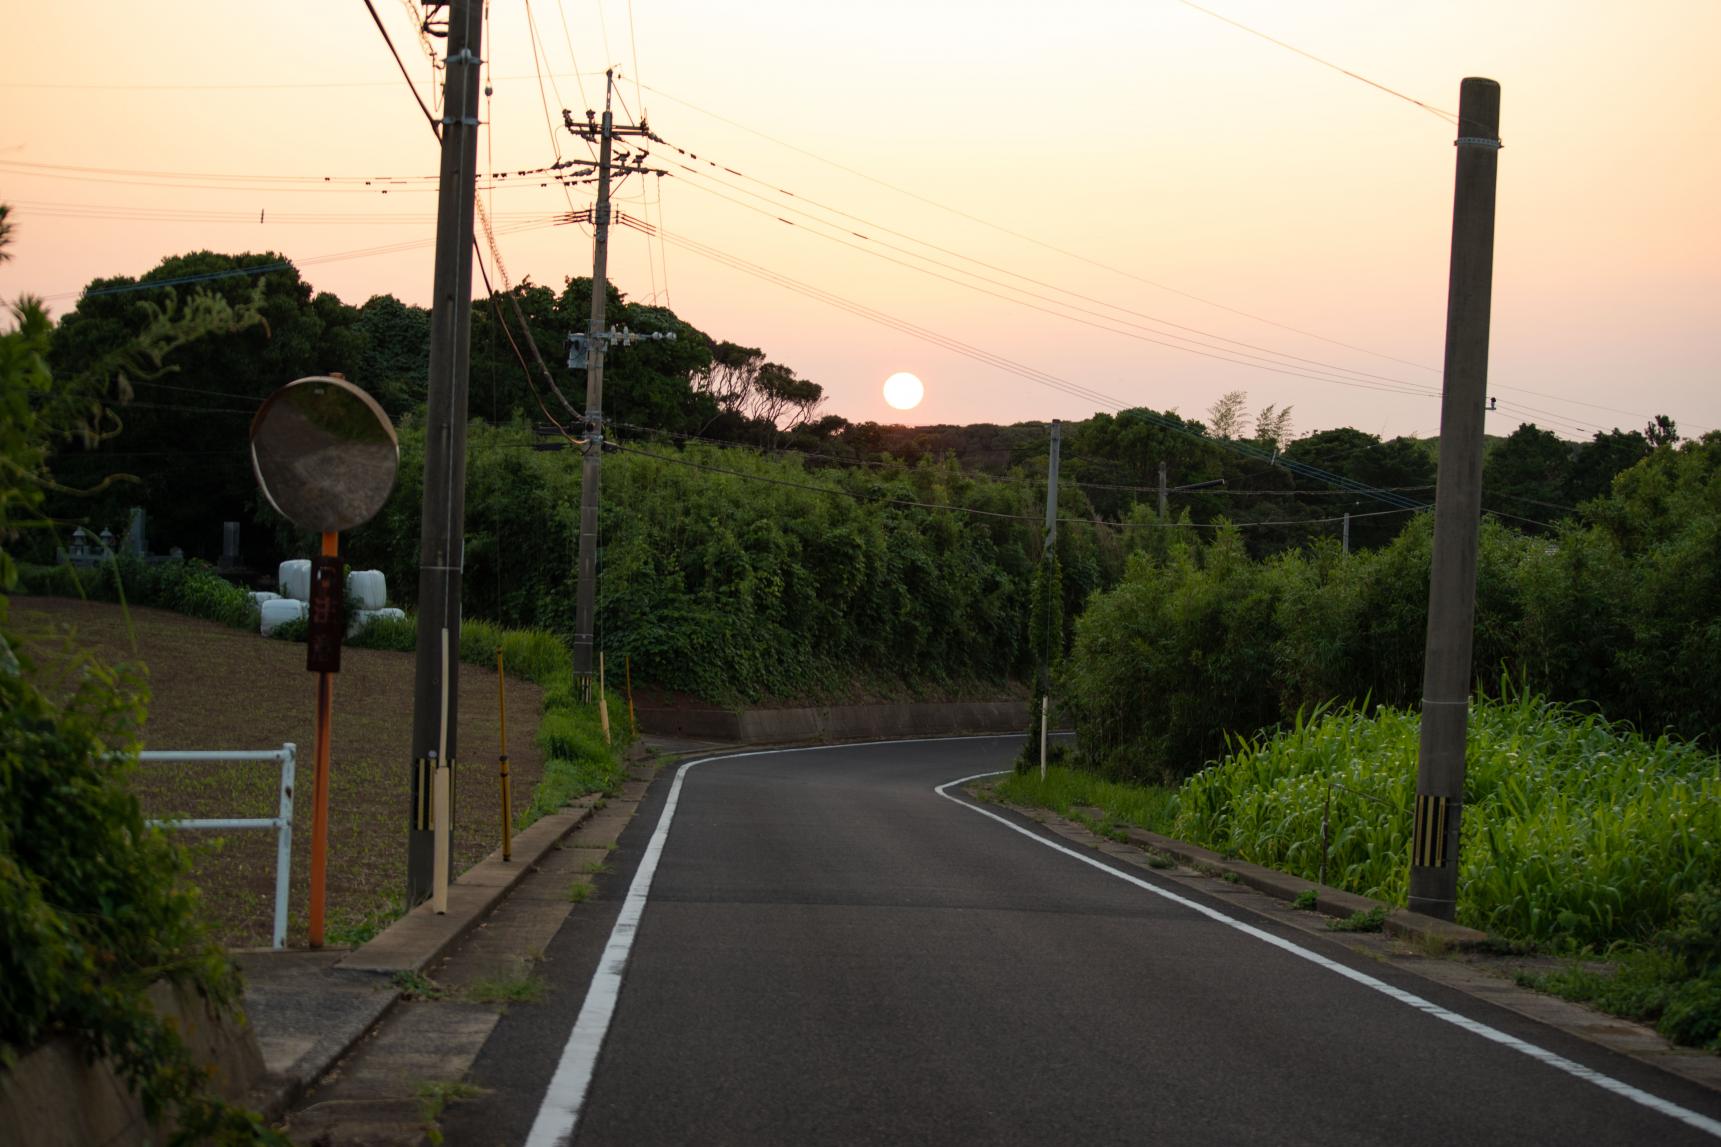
column 282, row 823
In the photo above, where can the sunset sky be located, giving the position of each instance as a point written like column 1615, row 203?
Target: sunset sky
column 1143, row 169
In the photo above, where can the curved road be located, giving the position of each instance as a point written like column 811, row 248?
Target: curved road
column 831, row 951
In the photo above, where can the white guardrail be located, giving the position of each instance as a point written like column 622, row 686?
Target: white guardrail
column 282, row 823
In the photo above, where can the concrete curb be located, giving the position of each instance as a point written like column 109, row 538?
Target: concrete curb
column 1400, row 923
column 365, row 979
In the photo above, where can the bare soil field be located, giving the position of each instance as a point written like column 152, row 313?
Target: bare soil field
column 212, row 687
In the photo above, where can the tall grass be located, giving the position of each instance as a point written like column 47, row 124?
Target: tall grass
column 1576, row 831
column 1064, row 790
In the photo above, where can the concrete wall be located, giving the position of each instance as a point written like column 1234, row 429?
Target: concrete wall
column 838, row 722
column 54, row 1097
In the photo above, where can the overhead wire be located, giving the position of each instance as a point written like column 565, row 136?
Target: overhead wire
column 1001, row 362
column 975, row 511
column 1157, row 337
column 1440, row 113
column 1007, row 271
column 1014, row 234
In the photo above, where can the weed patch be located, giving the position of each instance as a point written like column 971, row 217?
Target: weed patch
column 1372, row 920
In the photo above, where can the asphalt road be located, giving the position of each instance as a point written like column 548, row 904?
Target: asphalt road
column 831, row 952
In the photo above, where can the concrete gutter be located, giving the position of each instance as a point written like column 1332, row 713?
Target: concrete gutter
column 309, row 1008
column 1401, row 923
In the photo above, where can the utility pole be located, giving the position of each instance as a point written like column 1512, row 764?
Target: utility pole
column 1347, row 543
column 1047, row 557
column 1162, row 500
column 1457, row 510
column 442, row 539
column 585, row 599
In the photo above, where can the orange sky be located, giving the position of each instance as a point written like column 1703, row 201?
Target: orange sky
column 1165, row 153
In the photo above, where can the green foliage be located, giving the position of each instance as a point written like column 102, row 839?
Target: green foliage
column 189, row 587
column 92, row 906
column 1306, row 900
column 1180, row 642
column 737, row 589
column 1372, row 920
column 1065, row 790
column 395, row 635
column 1673, row 981
column 1575, row 831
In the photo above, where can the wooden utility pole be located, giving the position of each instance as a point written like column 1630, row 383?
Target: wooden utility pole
column 442, row 538
column 1457, row 510
column 597, row 340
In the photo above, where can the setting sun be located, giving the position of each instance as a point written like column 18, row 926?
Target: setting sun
column 903, row 390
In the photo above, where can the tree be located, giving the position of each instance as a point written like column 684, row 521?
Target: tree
column 1526, row 475
column 1273, row 427
column 1227, row 418
column 179, row 430
column 1661, row 432
column 1598, row 460
column 778, row 395
column 1399, row 465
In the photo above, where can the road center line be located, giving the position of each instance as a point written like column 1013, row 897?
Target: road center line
column 1558, row 1062
column 559, row 1114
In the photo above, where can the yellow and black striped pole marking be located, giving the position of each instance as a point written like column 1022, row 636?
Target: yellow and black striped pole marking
column 1428, row 837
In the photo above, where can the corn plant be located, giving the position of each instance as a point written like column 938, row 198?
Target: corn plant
column 1576, row 832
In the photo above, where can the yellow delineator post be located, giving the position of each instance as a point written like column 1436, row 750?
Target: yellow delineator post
column 441, row 790
column 502, row 763
column 603, row 700
column 632, row 721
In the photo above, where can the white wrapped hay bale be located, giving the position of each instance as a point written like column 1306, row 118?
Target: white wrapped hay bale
column 294, row 579
column 259, row 596
column 280, row 611
column 366, row 589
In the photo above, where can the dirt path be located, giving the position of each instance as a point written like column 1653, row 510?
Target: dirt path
column 218, row 688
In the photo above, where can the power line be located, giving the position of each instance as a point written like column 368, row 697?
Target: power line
column 1223, row 354
column 862, row 496
column 1013, row 274
column 1068, row 254
column 1429, row 108
column 1040, row 377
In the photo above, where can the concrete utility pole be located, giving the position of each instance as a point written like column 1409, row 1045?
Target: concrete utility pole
column 1162, row 492
column 585, row 599
column 1347, row 543
column 1047, row 557
column 1457, row 510
column 442, row 538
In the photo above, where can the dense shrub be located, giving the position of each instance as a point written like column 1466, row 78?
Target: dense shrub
column 737, row 576
column 188, row 587
column 1199, row 642
column 1575, row 831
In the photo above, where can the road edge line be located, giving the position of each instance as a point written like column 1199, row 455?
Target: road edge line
column 1552, row 1059
column 559, row 1113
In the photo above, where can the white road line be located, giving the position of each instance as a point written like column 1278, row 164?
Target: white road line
column 1558, row 1062
column 559, row 1114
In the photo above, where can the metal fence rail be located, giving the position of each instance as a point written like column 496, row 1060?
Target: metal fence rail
column 282, row 822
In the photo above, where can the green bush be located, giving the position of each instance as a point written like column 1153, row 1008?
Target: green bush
column 396, row 635
column 755, row 577
column 1576, row 832
column 188, row 587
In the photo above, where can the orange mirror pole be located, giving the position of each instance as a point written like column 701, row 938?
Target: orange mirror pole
column 326, row 587
column 502, row 762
